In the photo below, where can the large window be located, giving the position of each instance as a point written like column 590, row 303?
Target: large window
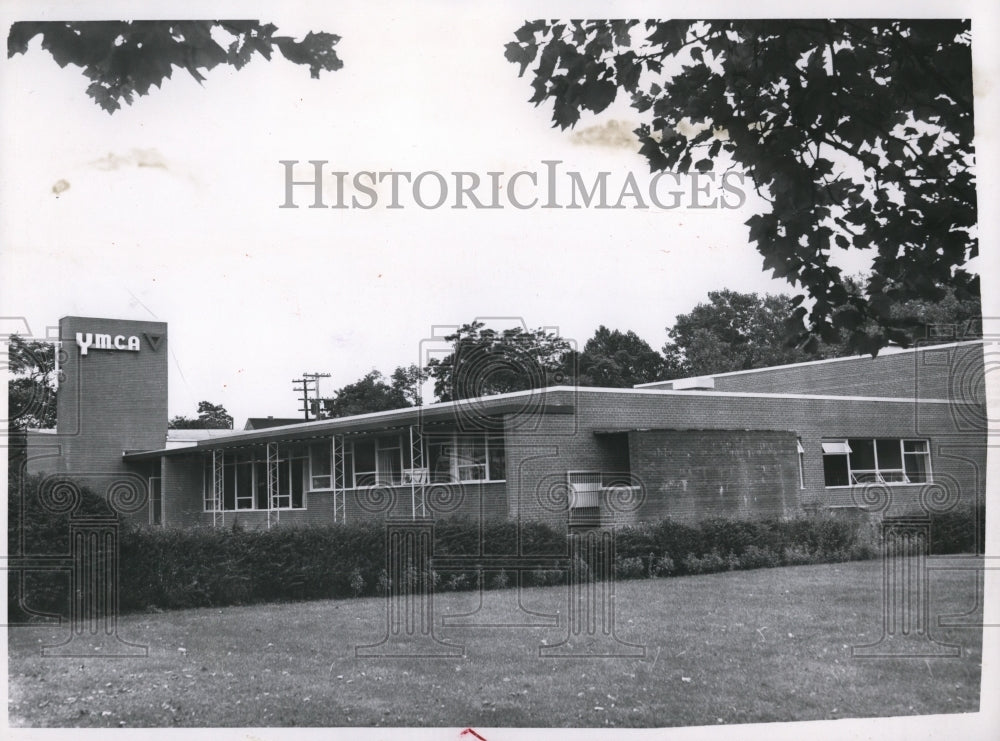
column 386, row 460
column 853, row 461
column 245, row 481
column 377, row 461
column 466, row 458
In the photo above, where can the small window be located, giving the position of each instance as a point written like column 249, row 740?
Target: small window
column 364, row 463
column 836, row 468
column 320, row 465
column 917, row 461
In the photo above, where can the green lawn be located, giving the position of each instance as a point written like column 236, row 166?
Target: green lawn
column 739, row 647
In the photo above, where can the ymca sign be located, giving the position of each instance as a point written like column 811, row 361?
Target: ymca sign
column 89, row 340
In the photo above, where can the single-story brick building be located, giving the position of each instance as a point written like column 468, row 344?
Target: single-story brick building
column 890, row 433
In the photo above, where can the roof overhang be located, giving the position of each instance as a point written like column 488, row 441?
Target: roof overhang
column 466, row 414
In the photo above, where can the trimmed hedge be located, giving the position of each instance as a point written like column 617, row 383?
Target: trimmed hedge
column 168, row 569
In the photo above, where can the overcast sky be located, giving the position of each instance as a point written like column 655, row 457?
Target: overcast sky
column 171, row 210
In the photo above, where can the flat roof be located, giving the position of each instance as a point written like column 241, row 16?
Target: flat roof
column 885, row 352
column 559, row 400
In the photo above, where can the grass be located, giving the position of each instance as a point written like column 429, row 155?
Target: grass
column 740, row 647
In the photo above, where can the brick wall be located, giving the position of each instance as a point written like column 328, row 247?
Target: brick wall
column 110, row 400
column 694, row 474
column 538, row 460
column 181, row 486
column 744, row 444
column 931, row 373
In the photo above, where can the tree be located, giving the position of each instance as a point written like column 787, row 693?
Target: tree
column 615, row 359
column 858, row 134
column 210, row 417
column 370, row 393
column 733, row 331
column 409, row 381
column 946, row 319
column 485, row 361
column 31, row 393
column 127, row 58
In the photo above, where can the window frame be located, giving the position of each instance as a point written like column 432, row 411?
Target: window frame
column 451, row 444
column 326, row 443
column 253, row 461
column 878, row 472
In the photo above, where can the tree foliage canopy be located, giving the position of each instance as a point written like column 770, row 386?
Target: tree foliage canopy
column 210, row 417
column 371, row 393
column 733, row 331
column 485, row 361
column 859, row 134
column 616, row 359
column 31, row 393
column 126, row 58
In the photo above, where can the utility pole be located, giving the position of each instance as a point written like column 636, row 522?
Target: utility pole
column 306, row 386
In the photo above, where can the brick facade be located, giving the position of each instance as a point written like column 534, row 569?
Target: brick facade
column 111, row 399
column 731, row 452
column 941, row 372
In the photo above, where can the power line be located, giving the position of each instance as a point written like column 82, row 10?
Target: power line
column 308, row 386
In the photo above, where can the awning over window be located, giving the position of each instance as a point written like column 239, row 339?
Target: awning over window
column 836, row 446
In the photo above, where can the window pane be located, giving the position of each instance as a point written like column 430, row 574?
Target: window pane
column 348, row 469
column 835, row 470
column 320, row 457
column 889, row 455
column 439, row 462
column 862, row 454
column 260, row 494
column 297, row 487
column 364, row 456
column 472, row 473
column 498, row 459
column 390, row 466
column 914, row 446
column 229, row 486
column 916, row 467
column 244, row 486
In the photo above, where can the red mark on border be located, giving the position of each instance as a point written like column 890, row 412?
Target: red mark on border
column 470, row 731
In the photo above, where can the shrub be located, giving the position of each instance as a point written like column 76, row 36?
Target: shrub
column 357, row 582
column 384, row 582
column 707, row 564
column 754, row 557
column 662, row 566
column 166, row 568
column 795, row 555
column 33, row 529
column 629, row 568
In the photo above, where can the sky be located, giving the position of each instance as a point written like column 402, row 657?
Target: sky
column 169, row 209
